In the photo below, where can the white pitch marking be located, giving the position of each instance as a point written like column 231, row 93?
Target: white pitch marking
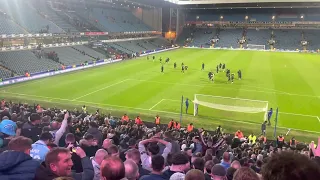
column 318, row 118
column 100, row 89
column 298, row 114
column 248, row 90
column 156, row 104
column 22, row 84
column 157, row 111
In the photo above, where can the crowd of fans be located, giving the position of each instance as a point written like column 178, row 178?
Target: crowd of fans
column 50, row 143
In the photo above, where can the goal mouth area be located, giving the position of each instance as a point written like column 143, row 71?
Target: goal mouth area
column 239, row 105
column 232, row 108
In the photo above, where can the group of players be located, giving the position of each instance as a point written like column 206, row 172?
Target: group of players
column 220, row 67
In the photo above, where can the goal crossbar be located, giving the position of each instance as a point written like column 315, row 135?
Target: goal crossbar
column 224, row 97
column 256, row 46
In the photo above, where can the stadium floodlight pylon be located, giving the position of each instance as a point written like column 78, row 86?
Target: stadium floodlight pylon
column 230, row 104
column 256, row 46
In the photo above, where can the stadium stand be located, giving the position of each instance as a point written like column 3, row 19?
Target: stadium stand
column 80, row 23
column 25, row 15
column 202, row 37
column 89, row 52
column 50, row 14
column 186, row 33
column 139, row 45
column 4, row 73
column 283, row 42
column 22, row 61
column 74, row 55
column 229, row 38
column 7, row 26
column 312, row 36
column 113, row 20
column 258, row 36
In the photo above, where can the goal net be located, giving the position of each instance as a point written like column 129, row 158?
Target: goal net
column 256, row 46
column 238, row 105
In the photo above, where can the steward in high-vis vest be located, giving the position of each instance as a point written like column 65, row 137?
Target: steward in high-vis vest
column 157, row 120
column 190, row 127
column 171, row 124
column 84, row 108
column 138, row 120
column 178, row 126
column 280, row 140
column 125, row 118
column 252, row 139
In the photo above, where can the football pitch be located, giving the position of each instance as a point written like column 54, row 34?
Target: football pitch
column 288, row 81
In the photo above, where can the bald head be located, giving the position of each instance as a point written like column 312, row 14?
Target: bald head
column 100, row 155
column 236, row 164
column 107, row 143
column 226, row 157
column 260, row 157
column 112, row 168
column 131, row 169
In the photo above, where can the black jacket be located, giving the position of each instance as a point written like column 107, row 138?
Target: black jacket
column 96, row 134
column 31, row 131
column 90, row 152
column 44, row 173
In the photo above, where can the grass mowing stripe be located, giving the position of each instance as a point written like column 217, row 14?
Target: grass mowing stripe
column 100, row 89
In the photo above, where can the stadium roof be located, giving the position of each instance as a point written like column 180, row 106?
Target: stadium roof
column 223, row 4
column 188, row 2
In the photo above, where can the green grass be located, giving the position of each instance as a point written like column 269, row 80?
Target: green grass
column 289, row 81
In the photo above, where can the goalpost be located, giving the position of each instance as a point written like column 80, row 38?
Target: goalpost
column 231, row 104
column 256, row 46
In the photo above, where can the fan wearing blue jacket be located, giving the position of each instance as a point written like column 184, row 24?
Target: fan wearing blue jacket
column 39, row 148
column 16, row 163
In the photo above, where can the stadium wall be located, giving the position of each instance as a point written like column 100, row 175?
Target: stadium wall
column 151, row 17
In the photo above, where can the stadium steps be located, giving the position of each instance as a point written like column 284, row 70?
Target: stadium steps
column 5, row 68
column 89, row 20
column 81, row 51
column 53, row 61
column 129, row 50
column 140, row 45
column 99, row 50
column 89, row 52
column 14, row 27
column 52, row 16
column 72, row 15
column 113, row 51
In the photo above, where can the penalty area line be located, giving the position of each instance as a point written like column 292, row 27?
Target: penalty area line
column 156, row 104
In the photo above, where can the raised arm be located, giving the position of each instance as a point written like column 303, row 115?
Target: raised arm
column 62, row 129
